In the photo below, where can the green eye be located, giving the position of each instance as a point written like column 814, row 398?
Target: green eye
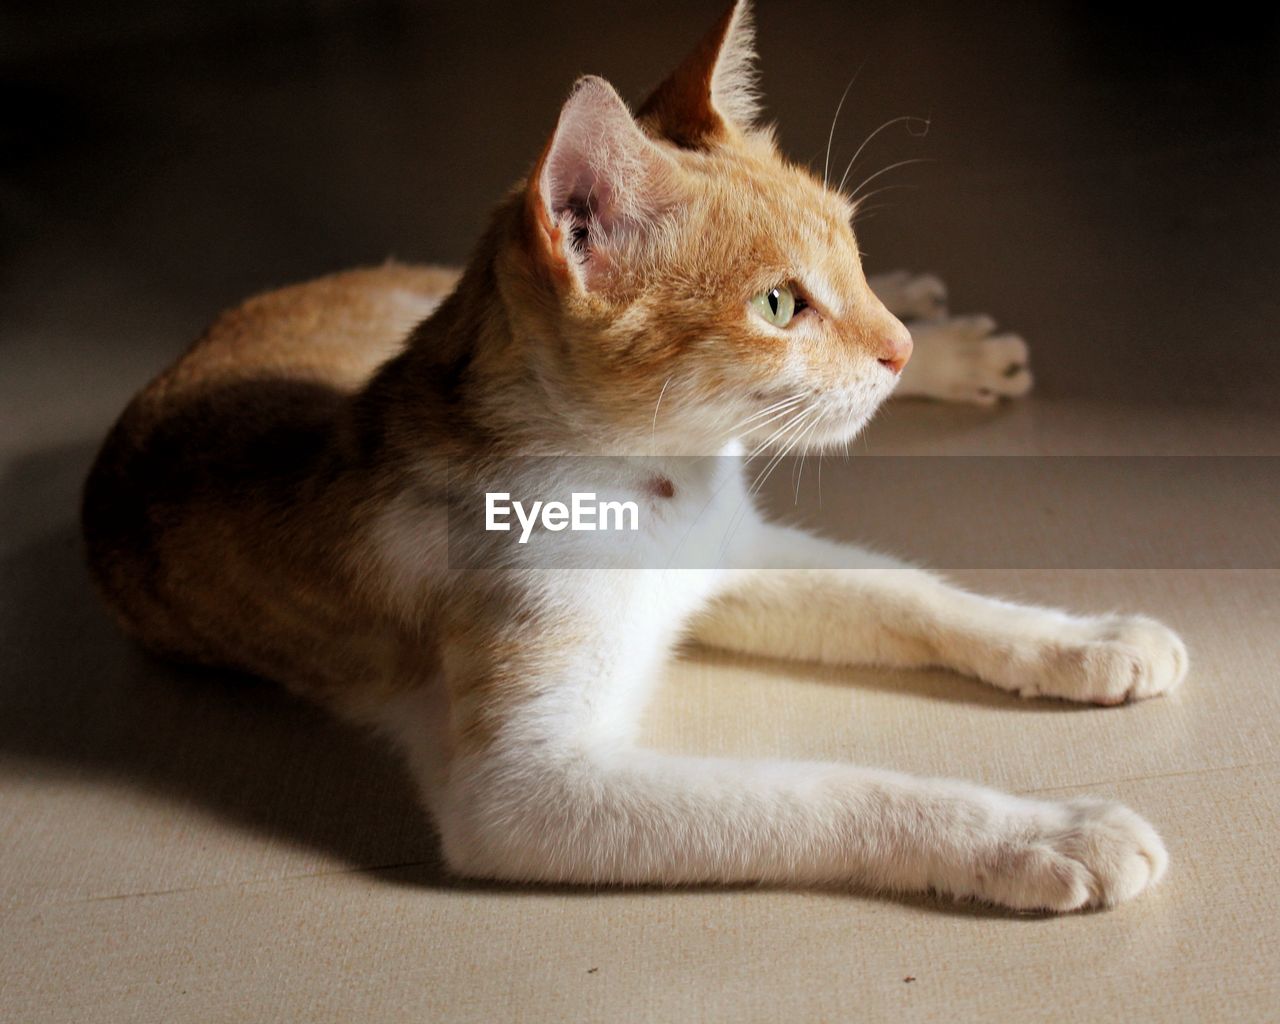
column 777, row 306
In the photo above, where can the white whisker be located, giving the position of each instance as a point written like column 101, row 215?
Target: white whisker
column 892, row 167
column 888, row 124
column 876, row 191
column 826, row 163
column 781, row 431
column 796, row 426
column 779, row 414
column 785, row 402
column 653, row 433
column 804, row 452
column 740, row 513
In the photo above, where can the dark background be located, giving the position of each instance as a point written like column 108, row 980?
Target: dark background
column 1105, row 178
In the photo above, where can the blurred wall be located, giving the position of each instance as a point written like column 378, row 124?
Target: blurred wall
column 159, row 161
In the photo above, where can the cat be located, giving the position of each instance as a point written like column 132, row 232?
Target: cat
column 662, row 286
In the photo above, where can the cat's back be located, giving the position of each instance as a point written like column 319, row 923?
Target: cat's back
column 220, row 481
column 333, row 330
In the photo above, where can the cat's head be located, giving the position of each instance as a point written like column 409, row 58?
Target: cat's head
column 686, row 284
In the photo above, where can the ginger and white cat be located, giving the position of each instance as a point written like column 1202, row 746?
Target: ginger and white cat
column 662, row 285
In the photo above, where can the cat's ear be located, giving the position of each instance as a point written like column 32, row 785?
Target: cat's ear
column 713, row 93
column 599, row 180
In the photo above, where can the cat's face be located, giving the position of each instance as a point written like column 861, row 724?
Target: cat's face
column 700, row 287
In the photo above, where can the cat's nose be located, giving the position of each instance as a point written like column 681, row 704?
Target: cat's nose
column 895, row 349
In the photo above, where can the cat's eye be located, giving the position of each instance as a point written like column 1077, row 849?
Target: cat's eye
column 778, row 306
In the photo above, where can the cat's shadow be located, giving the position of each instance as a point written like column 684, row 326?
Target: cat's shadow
column 78, row 700
column 926, row 684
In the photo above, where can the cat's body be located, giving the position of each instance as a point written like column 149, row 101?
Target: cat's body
column 281, row 501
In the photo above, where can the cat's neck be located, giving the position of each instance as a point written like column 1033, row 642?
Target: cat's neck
column 476, row 379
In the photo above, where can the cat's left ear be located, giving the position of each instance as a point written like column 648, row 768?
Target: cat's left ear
column 712, row 94
column 600, row 183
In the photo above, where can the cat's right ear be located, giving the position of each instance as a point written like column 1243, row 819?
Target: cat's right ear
column 599, row 180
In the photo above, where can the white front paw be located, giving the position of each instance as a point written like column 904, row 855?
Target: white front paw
column 1072, row 855
column 1121, row 658
column 961, row 359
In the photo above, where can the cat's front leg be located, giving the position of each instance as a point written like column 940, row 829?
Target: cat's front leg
column 863, row 608
column 594, row 815
column 955, row 359
column 543, row 782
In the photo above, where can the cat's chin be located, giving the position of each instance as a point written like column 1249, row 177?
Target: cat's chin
column 834, row 431
column 834, row 439
column 834, row 436
column 828, row 432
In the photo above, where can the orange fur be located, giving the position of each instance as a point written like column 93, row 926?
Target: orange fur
column 281, row 500
column 229, row 515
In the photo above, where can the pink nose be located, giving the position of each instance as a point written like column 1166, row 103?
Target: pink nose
column 895, row 350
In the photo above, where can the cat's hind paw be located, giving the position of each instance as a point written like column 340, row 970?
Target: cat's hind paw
column 962, row 359
column 1122, row 658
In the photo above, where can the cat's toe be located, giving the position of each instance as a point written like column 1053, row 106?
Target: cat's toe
column 971, row 326
column 1120, row 852
column 989, row 368
column 1005, row 370
column 961, row 359
column 912, row 296
column 1157, row 654
column 1123, row 658
column 1075, row 855
column 923, row 297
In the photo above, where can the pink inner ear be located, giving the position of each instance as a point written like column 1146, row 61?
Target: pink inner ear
column 581, row 198
column 598, row 175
